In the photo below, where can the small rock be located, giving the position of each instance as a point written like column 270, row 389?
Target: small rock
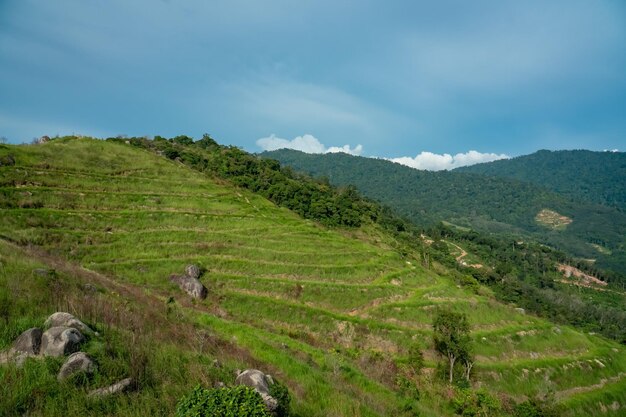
column 520, row 310
column 116, row 388
column 217, row 363
column 219, row 384
column 191, row 286
column 90, row 288
column 270, row 402
column 76, row 362
column 556, row 330
column 60, row 341
column 192, row 271
column 256, row 379
column 28, row 342
column 67, row 320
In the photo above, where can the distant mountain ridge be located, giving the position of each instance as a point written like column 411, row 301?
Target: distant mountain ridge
column 485, row 203
column 599, row 177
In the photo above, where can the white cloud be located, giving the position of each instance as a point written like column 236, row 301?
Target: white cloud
column 305, row 143
column 437, row 162
column 346, row 149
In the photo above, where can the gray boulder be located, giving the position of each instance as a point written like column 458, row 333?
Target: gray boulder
column 17, row 358
column 67, row 320
column 28, row 342
column 260, row 382
column 192, row 271
column 60, row 341
column 116, row 388
column 76, row 362
column 191, row 286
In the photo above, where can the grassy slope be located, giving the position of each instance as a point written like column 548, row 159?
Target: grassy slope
column 329, row 314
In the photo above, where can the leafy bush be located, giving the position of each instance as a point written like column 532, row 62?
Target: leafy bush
column 536, row 408
column 476, row 403
column 282, row 396
column 239, row 401
column 416, row 358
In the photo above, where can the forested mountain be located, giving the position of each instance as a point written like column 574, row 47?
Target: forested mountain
column 485, row 203
column 599, row 177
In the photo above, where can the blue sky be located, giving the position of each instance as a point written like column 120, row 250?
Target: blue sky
column 397, row 78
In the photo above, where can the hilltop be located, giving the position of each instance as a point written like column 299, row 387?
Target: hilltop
column 596, row 177
column 486, row 203
column 327, row 300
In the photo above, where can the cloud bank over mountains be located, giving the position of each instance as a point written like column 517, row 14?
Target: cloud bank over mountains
column 425, row 160
column 438, row 162
column 305, row 143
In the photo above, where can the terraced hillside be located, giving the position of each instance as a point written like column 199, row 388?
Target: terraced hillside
column 486, row 203
column 332, row 313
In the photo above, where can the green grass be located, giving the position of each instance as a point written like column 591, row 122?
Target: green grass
column 332, row 313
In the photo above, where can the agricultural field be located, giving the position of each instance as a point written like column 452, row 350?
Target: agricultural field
column 332, row 313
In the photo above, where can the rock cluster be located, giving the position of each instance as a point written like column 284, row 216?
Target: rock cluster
column 190, row 282
column 63, row 336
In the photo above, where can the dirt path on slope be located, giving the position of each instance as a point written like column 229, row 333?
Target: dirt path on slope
column 463, row 254
column 577, row 390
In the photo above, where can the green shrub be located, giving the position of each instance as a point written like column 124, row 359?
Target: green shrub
column 282, row 396
column 239, row 401
column 472, row 403
column 416, row 358
column 536, row 408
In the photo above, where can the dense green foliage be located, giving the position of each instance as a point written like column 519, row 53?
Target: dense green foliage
column 525, row 273
column 480, row 403
column 451, row 337
column 485, row 203
column 238, row 401
column 598, row 177
column 281, row 393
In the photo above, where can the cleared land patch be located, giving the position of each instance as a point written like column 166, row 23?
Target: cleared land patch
column 552, row 220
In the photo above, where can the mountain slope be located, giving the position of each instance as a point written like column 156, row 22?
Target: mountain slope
column 486, row 203
column 597, row 177
column 332, row 313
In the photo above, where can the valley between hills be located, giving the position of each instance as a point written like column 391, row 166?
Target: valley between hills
column 332, row 302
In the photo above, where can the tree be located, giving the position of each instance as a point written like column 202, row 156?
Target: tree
column 452, row 340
